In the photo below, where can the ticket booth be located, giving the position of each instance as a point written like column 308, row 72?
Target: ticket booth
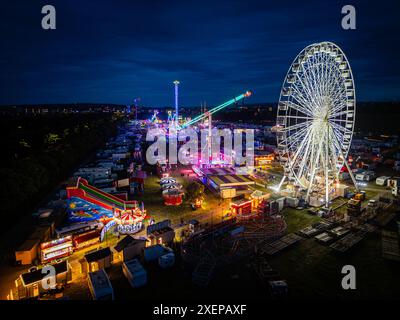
column 241, row 207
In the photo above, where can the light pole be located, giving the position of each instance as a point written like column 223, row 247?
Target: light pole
column 176, row 83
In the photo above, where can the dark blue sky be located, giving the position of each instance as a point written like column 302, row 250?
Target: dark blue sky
column 113, row 51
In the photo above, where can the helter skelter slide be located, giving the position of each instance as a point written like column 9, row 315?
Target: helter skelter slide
column 82, row 189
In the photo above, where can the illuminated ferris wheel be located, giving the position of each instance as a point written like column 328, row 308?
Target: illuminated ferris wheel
column 315, row 119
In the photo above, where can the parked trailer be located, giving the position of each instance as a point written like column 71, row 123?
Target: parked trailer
column 102, row 181
column 97, row 175
column 360, row 177
column 154, row 252
column 167, row 260
column 292, row 202
column 382, row 181
column 369, row 175
column 100, row 286
column 365, row 176
column 92, row 169
column 78, row 228
column 135, row 273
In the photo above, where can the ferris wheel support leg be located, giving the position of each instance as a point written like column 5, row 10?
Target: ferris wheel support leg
column 326, row 171
column 347, row 165
column 351, row 174
column 280, row 183
column 309, row 186
column 326, row 180
column 314, row 168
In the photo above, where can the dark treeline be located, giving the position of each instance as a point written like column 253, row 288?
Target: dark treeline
column 371, row 117
column 259, row 114
column 378, row 118
column 39, row 151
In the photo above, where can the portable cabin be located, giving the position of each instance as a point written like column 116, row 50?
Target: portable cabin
column 100, row 286
column 130, row 247
column 166, row 260
column 135, row 273
column 382, row 181
column 152, row 253
column 99, row 259
column 30, row 283
column 27, row 253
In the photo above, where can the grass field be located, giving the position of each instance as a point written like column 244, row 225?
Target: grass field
column 313, row 270
column 156, row 209
column 298, row 219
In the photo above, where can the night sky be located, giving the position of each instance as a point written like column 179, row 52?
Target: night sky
column 113, row 51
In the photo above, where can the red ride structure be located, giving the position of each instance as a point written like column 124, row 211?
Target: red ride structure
column 172, row 197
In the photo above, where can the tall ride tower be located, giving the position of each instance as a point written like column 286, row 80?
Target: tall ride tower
column 176, row 83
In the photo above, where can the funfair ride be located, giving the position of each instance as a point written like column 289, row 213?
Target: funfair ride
column 208, row 115
column 216, row 109
column 127, row 214
column 315, row 119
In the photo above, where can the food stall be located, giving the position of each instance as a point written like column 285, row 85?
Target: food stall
column 56, row 249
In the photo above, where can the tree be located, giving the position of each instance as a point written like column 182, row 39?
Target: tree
column 24, row 144
column 51, row 138
column 195, row 190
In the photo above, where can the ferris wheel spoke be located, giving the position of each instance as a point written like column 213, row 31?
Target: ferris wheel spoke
column 302, row 146
column 332, row 81
column 313, row 83
column 300, row 117
column 319, row 96
column 338, row 111
column 325, row 77
column 338, row 121
column 317, row 77
column 294, row 140
column 301, row 99
column 322, row 79
column 307, row 89
column 335, row 142
column 300, row 108
column 338, row 96
column 305, row 157
column 293, row 143
column 338, row 127
column 306, row 82
column 299, row 150
column 334, row 157
column 331, row 76
column 340, row 134
column 314, row 167
column 338, row 114
column 297, row 126
column 306, row 101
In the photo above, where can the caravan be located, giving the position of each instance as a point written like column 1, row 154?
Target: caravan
column 382, row 181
